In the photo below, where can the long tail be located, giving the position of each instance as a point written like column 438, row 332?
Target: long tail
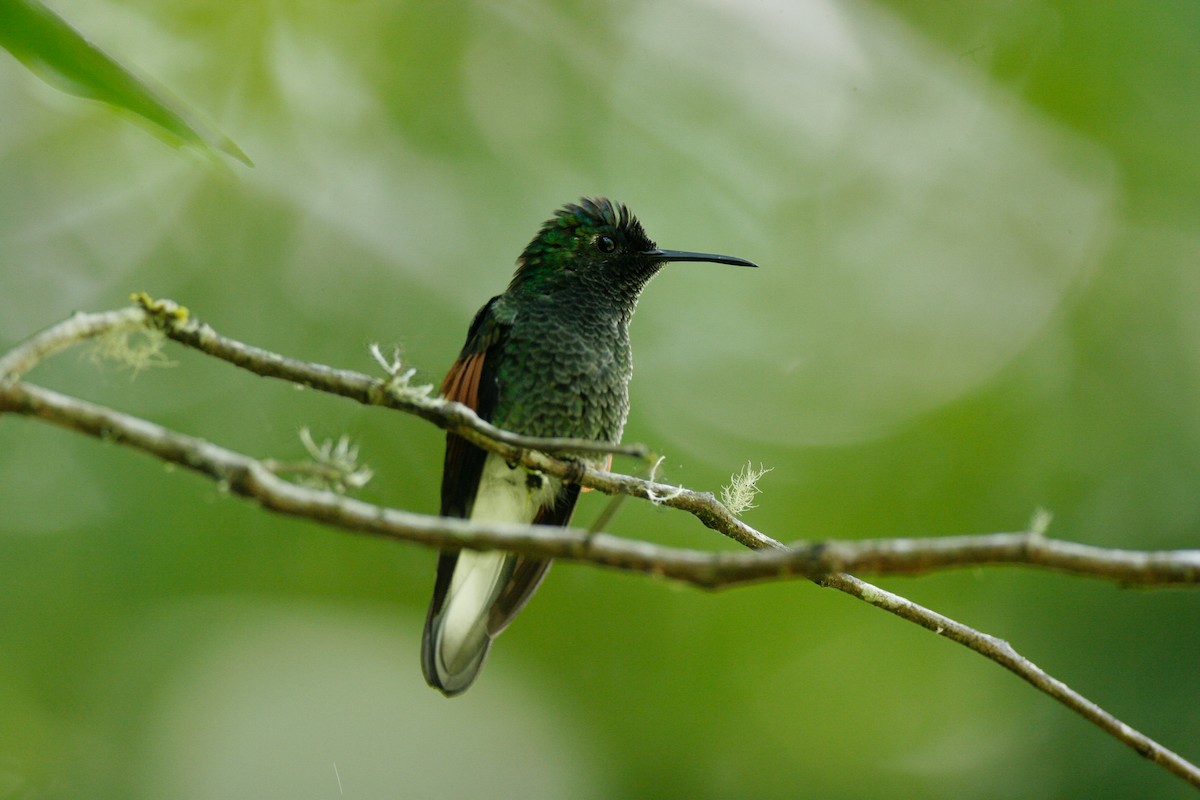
column 474, row 599
column 478, row 593
column 457, row 637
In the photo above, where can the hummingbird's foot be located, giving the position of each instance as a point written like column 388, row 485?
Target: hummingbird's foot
column 577, row 469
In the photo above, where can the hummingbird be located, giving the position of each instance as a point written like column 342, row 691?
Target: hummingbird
column 548, row 357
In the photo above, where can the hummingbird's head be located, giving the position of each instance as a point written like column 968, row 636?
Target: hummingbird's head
column 596, row 245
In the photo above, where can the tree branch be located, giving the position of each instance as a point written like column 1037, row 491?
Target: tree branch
column 395, row 393
column 827, row 563
column 259, row 481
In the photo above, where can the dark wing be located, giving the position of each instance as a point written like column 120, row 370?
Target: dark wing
column 471, row 383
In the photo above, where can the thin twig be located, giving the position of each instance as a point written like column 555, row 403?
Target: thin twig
column 176, row 323
column 701, row 568
column 76, row 328
column 827, row 563
column 1002, row 653
column 454, row 417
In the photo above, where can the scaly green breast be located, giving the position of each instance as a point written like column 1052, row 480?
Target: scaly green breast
column 564, row 375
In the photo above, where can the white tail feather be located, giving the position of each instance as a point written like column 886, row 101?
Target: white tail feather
column 463, row 634
column 460, row 633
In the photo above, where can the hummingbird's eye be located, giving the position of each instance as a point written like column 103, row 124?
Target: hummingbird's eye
column 605, row 244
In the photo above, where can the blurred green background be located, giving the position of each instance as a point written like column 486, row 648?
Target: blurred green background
column 979, row 231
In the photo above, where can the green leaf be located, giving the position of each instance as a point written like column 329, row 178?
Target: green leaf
column 62, row 57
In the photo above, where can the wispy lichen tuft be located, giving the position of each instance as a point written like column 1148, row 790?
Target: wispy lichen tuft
column 400, row 381
column 136, row 350
column 1039, row 523
column 336, row 464
column 739, row 495
column 658, row 498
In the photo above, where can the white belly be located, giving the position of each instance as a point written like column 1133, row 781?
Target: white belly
column 505, row 495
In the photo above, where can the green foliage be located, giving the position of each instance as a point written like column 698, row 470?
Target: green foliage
column 61, row 56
